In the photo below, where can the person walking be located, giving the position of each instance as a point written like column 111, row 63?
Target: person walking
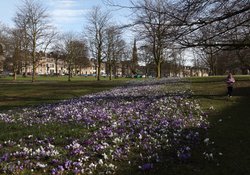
column 230, row 82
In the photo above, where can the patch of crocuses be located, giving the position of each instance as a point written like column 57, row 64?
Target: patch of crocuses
column 130, row 125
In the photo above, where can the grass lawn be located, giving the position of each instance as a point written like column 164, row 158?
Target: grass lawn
column 229, row 119
column 48, row 89
column 229, row 133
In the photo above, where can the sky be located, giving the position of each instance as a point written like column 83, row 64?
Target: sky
column 70, row 15
column 67, row 15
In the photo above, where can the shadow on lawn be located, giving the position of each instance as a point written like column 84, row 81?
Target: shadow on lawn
column 222, row 94
column 242, row 91
column 16, row 94
column 229, row 135
column 219, row 79
column 211, row 97
column 230, row 132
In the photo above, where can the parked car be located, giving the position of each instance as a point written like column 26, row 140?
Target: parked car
column 5, row 73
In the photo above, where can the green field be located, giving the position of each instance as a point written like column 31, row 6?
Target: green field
column 23, row 92
column 230, row 122
column 229, row 119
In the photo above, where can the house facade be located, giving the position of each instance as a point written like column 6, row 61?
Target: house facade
column 47, row 66
column 51, row 66
column 172, row 70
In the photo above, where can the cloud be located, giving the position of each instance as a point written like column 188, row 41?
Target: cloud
column 67, row 15
column 64, row 4
column 66, row 12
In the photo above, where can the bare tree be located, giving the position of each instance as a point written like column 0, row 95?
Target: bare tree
column 33, row 19
column 213, row 27
column 153, row 28
column 177, row 62
column 22, row 25
column 241, row 54
column 82, row 56
column 190, row 17
column 16, row 54
column 208, row 56
column 56, row 55
column 68, row 48
column 114, row 49
column 146, row 57
column 3, row 40
column 221, row 16
column 75, row 53
column 97, row 24
column 11, row 50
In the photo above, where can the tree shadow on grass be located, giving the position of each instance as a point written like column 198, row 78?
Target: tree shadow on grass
column 230, row 133
column 238, row 92
column 210, row 97
column 229, row 136
column 242, row 91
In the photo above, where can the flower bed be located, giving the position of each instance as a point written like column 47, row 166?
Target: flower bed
column 132, row 125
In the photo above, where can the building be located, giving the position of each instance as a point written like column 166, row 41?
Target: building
column 195, row 71
column 52, row 66
column 173, row 70
column 47, row 66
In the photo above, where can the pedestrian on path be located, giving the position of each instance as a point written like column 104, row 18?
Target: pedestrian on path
column 230, row 82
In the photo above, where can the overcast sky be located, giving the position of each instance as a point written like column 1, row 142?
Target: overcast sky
column 67, row 15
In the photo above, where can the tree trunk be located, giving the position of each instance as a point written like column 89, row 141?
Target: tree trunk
column 115, row 72
column 110, row 72
column 158, row 70
column 26, row 69
column 99, row 60
column 80, row 70
column 98, row 70
column 69, row 77
column 56, row 64
column 146, row 71
column 14, row 76
column 33, row 70
column 33, row 59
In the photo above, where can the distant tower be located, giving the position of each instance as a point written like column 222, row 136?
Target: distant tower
column 134, row 60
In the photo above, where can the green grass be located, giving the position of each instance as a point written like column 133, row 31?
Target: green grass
column 229, row 130
column 230, row 120
column 23, row 92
